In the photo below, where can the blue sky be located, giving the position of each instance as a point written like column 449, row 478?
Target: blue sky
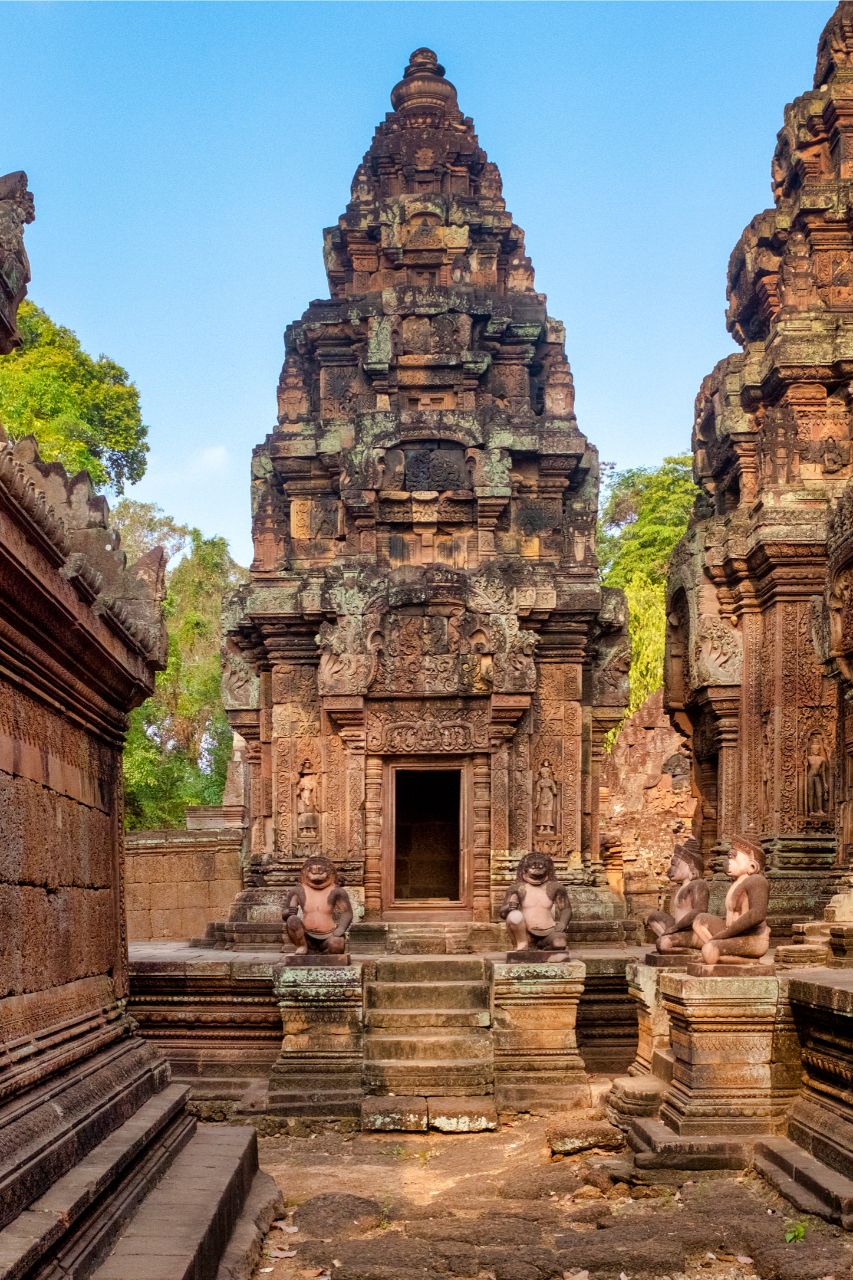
column 185, row 158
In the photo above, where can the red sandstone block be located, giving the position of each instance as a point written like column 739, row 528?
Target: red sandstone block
column 193, row 895
column 164, row 896
column 139, row 926
column 227, row 864
column 137, row 896
column 192, row 922
column 163, row 924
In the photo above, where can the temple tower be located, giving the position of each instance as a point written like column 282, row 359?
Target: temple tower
column 772, row 453
column 424, row 664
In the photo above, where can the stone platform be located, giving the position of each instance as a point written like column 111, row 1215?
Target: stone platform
column 275, row 1043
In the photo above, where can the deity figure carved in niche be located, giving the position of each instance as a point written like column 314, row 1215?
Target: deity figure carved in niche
column 318, row 912
column 536, row 907
column 545, row 801
column 307, row 803
column 674, row 928
column 744, row 935
column 817, row 777
column 797, row 287
column 833, row 457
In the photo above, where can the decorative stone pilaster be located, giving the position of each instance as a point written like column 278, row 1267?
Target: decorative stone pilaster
column 318, row 1072
column 736, row 1067
column 537, row 1064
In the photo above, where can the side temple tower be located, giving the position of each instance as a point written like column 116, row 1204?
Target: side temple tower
column 772, row 453
column 424, row 664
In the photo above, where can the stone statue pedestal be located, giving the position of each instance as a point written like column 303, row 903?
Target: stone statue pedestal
column 316, row 960
column 318, row 1072
column 538, row 1067
column 532, row 955
column 736, row 1070
column 757, row 970
column 669, row 960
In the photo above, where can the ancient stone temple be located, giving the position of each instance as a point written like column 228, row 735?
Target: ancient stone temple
column 424, row 664
column 772, row 449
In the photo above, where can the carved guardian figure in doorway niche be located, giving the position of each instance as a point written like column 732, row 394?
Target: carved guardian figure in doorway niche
column 674, row 928
column 537, row 908
column 318, row 912
column 744, row 935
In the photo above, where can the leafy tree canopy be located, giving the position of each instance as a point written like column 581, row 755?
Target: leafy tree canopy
column 144, row 526
column 644, row 516
column 84, row 413
column 179, row 741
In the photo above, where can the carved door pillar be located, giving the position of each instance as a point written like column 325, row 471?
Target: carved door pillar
column 373, row 771
column 257, row 832
column 753, row 781
column 481, row 836
column 724, row 711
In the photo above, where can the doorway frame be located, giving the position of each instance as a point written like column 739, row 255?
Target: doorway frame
column 427, row 908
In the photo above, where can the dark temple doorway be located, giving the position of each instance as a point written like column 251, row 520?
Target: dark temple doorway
column 426, row 835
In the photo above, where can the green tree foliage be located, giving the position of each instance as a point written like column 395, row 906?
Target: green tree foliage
column 179, row 741
column 84, row 413
column 644, row 516
column 145, row 526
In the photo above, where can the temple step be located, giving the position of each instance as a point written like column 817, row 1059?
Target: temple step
column 413, row 1019
column 412, row 995
column 421, row 969
column 428, row 1027
column 811, row 1186
column 73, row 1224
column 428, row 1045
column 430, row 1079
column 184, row 1226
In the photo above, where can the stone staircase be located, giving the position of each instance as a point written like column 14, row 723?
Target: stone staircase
column 428, row 1027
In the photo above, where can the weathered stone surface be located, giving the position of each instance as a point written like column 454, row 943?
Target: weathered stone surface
column 397, row 1114
column 569, row 1134
column 462, row 1115
column 736, row 1069
column 179, row 881
column 335, row 1213
column 646, row 804
column 537, row 1063
column 639, row 1093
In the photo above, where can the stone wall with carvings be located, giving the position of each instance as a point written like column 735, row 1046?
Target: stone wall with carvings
column 425, row 581
column 745, row 673
column 647, row 802
column 81, row 635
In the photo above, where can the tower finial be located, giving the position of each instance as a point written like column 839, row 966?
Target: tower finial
column 423, row 85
